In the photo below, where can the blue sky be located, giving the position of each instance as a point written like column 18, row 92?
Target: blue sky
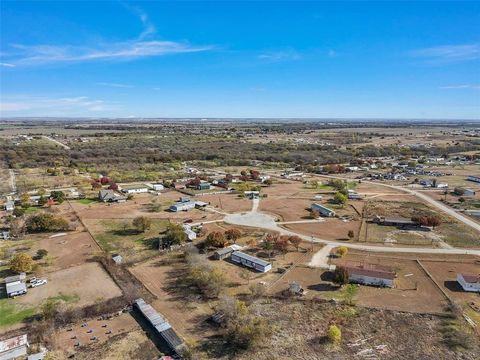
column 240, row 59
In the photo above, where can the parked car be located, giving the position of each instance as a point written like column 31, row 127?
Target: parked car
column 32, row 280
column 39, row 282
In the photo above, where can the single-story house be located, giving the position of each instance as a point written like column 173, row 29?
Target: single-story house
column 15, row 285
column 324, row 211
column 14, row 347
column 395, row 221
column 474, row 178
column 191, row 235
column 110, row 196
column 463, row 191
column 135, row 189
column 251, row 261
column 182, row 206
column 157, row 187
column 469, row 282
column 370, row 276
column 169, row 340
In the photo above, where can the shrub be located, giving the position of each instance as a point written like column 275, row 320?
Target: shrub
column 334, row 334
column 46, row 222
column 21, row 262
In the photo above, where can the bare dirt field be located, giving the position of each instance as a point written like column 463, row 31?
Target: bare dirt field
column 227, row 202
column 330, row 229
column 185, row 313
column 63, row 339
column 67, row 250
column 445, row 273
column 414, row 291
column 287, row 209
column 88, row 281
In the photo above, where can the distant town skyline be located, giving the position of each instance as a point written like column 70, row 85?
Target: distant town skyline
column 226, row 59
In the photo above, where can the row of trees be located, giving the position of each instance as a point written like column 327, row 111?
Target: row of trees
column 208, row 279
column 432, row 221
column 219, row 239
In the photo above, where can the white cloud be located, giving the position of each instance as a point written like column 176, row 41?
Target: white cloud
column 448, row 53
column 107, row 50
column 7, row 65
column 116, row 85
column 462, row 86
column 276, row 56
column 57, row 105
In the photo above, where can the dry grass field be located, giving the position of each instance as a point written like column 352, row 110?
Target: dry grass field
column 89, row 282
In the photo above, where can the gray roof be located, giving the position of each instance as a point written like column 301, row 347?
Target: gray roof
column 15, row 278
column 159, row 323
column 15, row 287
column 224, row 251
column 251, row 258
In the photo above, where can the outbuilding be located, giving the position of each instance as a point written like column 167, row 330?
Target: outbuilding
column 158, row 187
column 15, row 285
column 469, row 282
column 474, row 178
column 169, row 340
column 224, row 253
column 324, row 211
column 251, row 261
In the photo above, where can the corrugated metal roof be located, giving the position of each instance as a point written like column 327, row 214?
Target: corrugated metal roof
column 13, row 343
column 250, row 258
column 471, row 278
column 381, row 274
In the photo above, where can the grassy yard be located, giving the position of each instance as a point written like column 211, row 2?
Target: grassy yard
column 121, row 237
column 458, row 235
column 11, row 314
column 86, row 201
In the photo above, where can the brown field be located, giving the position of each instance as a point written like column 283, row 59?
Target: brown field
column 445, row 273
column 330, row 229
column 185, row 312
column 117, row 325
column 140, row 206
column 68, row 250
column 287, row 209
column 88, row 281
column 230, row 203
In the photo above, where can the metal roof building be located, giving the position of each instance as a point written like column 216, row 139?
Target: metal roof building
column 160, row 324
column 251, row 261
column 14, row 347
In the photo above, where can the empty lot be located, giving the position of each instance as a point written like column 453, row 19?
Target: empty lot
column 88, row 281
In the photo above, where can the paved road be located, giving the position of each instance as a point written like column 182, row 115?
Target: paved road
column 422, row 196
column 261, row 220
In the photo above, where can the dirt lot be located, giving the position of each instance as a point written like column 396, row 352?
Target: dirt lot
column 330, row 229
column 185, row 313
column 287, row 209
column 141, row 205
column 67, row 250
column 414, row 291
column 227, row 202
column 445, row 273
column 116, row 325
column 88, row 281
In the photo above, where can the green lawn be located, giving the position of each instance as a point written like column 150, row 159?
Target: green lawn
column 86, row 201
column 120, row 236
column 11, row 314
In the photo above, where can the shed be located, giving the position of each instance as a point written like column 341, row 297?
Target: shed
column 117, row 259
column 251, row 261
column 224, row 253
column 158, row 187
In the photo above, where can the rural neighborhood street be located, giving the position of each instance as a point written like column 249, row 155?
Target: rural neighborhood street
column 261, row 220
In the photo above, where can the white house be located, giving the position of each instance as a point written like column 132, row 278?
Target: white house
column 14, row 348
column 370, row 276
column 135, row 190
column 191, row 235
column 251, row 261
column 157, row 187
column 469, row 282
column 182, row 206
